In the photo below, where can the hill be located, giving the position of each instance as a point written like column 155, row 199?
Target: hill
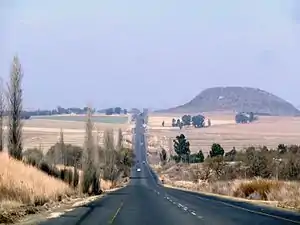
column 237, row 99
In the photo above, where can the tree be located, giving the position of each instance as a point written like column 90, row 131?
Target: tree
column 198, row 121
column 2, row 110
column 197, row 157
column 173, row 122
column 15, row 100
column 109, row 111
column 163, row 156
column 178, row 122
column 243, row 117
column 208, row 123
column 186, row 119
column 110, row 169
column 90, row 171
column 117, row 110
column 182, row 148
column 230, row 156
column 62, row 148
column 180, row 125
column 216, row 150
column 120, row 140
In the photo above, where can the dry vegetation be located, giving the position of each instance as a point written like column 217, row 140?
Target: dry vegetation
column 26, row 184
column 45, row 161
column 251, row 175
column 283, row 194
column 268, row 131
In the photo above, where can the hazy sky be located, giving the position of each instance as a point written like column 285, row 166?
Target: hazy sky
column 157, row 53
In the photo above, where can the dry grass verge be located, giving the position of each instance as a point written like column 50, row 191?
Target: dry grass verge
column 277, row 193
column 23, row 187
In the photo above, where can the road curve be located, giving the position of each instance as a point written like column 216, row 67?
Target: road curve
column 145, row 202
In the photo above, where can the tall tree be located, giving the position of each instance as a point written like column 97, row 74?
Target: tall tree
column 90, row 172
column 182, row 148
column 15, row 100
column 2, row 110
column 62, row 148
column 120, row 140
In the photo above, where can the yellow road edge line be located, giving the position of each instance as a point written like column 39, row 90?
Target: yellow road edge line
column 116, row 213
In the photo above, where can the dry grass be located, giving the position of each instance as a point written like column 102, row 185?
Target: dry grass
column 104, row 184
column 23, row 184
column 269, row 131
column 277, row 193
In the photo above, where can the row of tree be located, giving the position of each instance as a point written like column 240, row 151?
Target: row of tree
column 108, row 162
column 197, row 121
column 245, row 117
column 116, row 110
column 281, row 163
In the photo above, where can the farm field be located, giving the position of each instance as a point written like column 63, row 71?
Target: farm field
column 44, row 132
column 97, row 118
column 268, row 131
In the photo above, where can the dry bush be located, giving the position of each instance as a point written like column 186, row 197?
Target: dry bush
column 259, row 187
column 27, row 185
column 198, row 177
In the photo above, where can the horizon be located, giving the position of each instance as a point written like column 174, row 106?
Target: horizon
column 147, row 55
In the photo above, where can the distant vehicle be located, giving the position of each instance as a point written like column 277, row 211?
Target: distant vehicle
column 142, row 143
column 138, row 169
column 144, row 162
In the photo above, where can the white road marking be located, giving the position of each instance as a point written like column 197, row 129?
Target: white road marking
column 183, row 207
column 249, row 210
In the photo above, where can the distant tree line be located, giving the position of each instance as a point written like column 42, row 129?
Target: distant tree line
column 198, row 121
column 116, row 110
column 245, row 117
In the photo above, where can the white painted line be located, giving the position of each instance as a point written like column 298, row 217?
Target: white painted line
column 251, row 211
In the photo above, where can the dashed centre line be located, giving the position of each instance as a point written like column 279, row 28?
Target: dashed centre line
column 179, row 205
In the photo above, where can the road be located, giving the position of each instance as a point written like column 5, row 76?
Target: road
column 145, row 202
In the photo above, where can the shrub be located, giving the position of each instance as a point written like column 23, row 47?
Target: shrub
column 216, row 150
column 260, row 187
column 33, row 156
column 50, row 170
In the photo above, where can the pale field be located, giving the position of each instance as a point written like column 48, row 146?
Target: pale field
column 268, row 131
column 45, row 133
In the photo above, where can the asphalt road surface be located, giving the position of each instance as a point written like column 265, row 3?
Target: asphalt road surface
column 145, row 202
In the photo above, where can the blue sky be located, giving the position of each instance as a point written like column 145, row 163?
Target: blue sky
column 149, row 53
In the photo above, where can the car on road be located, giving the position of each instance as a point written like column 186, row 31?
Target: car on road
column 144, row 162
column 138, row 169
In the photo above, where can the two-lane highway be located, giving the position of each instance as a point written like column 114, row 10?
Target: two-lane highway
column 145, row 202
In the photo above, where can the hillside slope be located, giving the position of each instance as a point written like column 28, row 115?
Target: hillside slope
column 237, row 99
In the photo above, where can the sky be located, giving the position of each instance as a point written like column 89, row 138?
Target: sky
column 155, row 54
